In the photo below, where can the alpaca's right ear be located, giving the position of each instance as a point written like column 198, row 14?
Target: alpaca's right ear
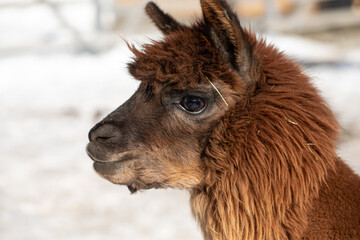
column 227, row 35
column 163, row 21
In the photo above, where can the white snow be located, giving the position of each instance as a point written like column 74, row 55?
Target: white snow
column 40, row 24
column 49, row 102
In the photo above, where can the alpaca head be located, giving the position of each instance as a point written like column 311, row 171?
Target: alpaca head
column 189, row 81
column 226, row 116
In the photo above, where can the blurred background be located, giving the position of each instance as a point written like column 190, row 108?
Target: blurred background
column 63, row 68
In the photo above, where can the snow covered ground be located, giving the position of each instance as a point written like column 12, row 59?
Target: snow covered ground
column 48, row 103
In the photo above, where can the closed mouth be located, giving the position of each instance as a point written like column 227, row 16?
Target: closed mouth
column 99, row 155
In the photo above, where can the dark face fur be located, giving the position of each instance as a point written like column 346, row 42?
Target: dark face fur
column 157, row 138
column 157, row 141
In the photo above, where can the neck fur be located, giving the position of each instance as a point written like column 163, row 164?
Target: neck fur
column 267, row 158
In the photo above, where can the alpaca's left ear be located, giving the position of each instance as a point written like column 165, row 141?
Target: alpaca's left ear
column 227, row 35
column 163, row 21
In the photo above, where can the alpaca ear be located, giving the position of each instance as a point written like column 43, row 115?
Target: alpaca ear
column 227, row 35
column 163, row 21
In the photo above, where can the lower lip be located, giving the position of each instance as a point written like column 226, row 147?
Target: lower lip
column 112, row 164
column 104, row 169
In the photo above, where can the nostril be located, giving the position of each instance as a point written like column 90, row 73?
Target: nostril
column 102, row 139
column 103, row 133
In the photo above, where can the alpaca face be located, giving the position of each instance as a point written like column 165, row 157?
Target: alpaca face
column 156, row 141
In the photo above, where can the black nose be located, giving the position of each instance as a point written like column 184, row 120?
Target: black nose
column 102, row 132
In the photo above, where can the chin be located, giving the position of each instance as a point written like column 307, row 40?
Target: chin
column 115, row 172
column 121, row 173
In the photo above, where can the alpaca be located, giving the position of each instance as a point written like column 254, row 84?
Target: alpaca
column 239, row 125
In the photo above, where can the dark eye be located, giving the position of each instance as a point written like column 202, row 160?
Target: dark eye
column 193, row 104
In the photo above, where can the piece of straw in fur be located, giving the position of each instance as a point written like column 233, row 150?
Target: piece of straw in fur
column 217, row 91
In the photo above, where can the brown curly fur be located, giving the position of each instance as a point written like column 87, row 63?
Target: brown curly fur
column 268, row 158
column 269, row 166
